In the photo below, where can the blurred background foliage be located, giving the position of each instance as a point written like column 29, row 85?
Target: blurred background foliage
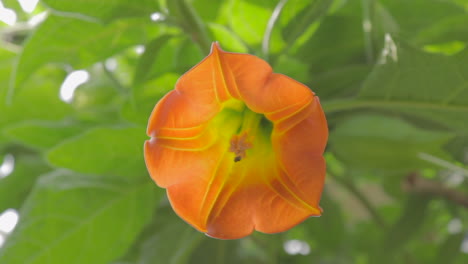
column 78, row 81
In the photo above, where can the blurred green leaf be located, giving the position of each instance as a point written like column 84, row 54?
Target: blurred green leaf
column 242, row 23
column 147, row 97
column 189, row 20
column 104, row 150
column 449, row 250
column 458, row 147
column 176, row 55
column 385, row 143
column 429, row 86
column 292, row 67
column 219, row 251
column 290, row 11
column 406, row 227
column 38, row 100
column 430, row 13
column 6, row 61
column 299, row 18
column 326, row 50
column 42, row 134
column 68, row 213
column 98, row 100
column 326, row 232
column 230, row 42
column 208, row 9
column 16, row 186
column 80, row 45
column 447, row 48
column 168, row 240
column 148, row 59
column 445, row 30
column 339, row 82
column 106, row 10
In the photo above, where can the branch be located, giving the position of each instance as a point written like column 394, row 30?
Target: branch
column 417, row 184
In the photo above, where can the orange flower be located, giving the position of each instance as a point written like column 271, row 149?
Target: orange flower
column 238, row 148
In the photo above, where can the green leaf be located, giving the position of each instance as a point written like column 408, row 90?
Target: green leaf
column 38, row 100
column 146, row 98
column 99, row 99
column 340, row 82
column 104, row 150
column 298, row 18
column 148, row 59
column 449, row 250
column 327, row 231
column 177, row 55
column 15, row 187
column 430, row 13
column 207, row 9
column 326, row 50
column 448, row 29
column 42, row 134
column 227, row 39
column 82, row 44
column 187, row 55
column 106, row 10
column 385, row 143
column 72, row 218
column 160, row 244
column 220, row 251
column 446, row 48
column 188, row 19
column 292, row 67
column 413, row 215
column 6, row 61
column 248, row 29
column 430, row 86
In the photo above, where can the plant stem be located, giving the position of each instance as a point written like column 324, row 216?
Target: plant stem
column 417, row 184
column 271, row 24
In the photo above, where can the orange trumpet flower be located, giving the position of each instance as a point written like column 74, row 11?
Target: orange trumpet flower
column 238, row 148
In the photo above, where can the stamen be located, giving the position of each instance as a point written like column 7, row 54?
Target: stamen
column 239, row 144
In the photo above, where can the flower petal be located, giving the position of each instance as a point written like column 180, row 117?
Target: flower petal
column 273, row 187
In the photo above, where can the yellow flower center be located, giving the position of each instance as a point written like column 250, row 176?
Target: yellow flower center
column 246, row 134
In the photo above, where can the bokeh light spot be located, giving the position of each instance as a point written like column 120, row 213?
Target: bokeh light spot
column 71, row 82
